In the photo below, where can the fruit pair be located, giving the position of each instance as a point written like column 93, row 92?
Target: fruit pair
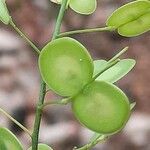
column 85, row 7
column 67, row 68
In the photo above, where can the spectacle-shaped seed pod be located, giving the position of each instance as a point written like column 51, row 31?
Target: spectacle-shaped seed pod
column 65, row 66
column 84, row 7
column 131, row 19
column 102, row 107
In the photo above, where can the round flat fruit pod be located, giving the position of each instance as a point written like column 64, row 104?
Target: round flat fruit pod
column 65, row 66
column 118, row 71
column 4, row 14
column 102, row 107
column 8, row 140
column 83, row 6
column 131, row 19
column 42, row 147
column 136, row 27
column 56, row 1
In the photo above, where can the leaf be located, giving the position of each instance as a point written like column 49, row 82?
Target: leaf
column 42, row 147
column 131, row 19
column 132, row 105
column 4, row 14
column 99, row 65
column 83, row 6
column 116, row 72
column 8, row 140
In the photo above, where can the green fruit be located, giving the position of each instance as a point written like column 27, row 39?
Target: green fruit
column 4, row 14
column 65, row 66
column 8, row 141
column 83, row 6
column 56, row 1
column 131, row 19
column 102, row 107
column 42, row 147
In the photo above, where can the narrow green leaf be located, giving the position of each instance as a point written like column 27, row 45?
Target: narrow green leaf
column 99, row 65
column 117, row 71
column 42, row 147
column 8, row 140
column 4, row 14
column 131, row 19
column 83, row 6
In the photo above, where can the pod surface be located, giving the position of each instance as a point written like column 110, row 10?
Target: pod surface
column 8, row 140
column 65, row 66
column 83, row 6
column 131, row 19
column 102, row 107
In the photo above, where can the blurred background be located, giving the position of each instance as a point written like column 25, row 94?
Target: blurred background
column 19, row 75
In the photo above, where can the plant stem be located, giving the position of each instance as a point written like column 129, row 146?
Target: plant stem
column 16, row 122
column 86, row 31
column 35, row 134
column 59, row 19
column 119, row 54
column 24, row 36
column 92, row 143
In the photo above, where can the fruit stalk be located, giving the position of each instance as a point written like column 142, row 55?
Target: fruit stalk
column 24, row 36
column 86, row 31
column 15, row 121
column 88, row 146
column 35, row 134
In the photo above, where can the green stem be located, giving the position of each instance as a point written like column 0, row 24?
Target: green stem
column 86, row 31
column 24, row 36
column 59, row 19
column 37, row 122
column 88, row 146
column 16, row 122
column 119, row 54
column 38, row 116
